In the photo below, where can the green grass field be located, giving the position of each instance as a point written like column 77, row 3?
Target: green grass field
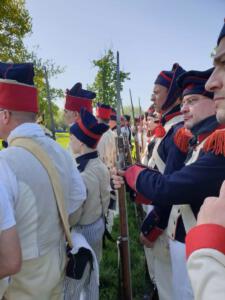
column 63, row 139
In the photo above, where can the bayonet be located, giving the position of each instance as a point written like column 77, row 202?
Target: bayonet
column 49, row 103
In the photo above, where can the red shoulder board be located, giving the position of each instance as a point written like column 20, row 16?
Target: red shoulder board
column 216, row 142
column 159, row 131
column 182, row 138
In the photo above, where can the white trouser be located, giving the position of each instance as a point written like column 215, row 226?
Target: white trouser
column 4, row 283
column 84, row 289
column 159, row 266
column 93, row 233
column 181, row 283
column 110, row 219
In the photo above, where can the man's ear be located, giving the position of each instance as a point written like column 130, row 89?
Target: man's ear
column 6, row 116
column 76, row 114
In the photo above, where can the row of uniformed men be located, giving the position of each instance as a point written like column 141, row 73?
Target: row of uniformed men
column 32, row 223
column 183, row 170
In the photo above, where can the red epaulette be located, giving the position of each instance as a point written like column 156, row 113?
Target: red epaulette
column 216, row 142
column 159, row 131
column 182, row 138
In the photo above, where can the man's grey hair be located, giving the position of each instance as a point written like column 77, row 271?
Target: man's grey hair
column 23, row 116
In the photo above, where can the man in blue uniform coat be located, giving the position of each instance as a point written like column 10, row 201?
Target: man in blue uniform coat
column 166, row 158
column 192, row 183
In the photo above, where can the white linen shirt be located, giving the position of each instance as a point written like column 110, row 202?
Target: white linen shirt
column 77, row 190
column 7, row 219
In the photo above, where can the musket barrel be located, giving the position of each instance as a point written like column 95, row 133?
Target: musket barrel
column 49, row 103
column 124, row 235
column 138, row 157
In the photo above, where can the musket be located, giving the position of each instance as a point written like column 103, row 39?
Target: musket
column 122, row 107
column 49, row 102
column 128, row 156
column 138, row 209
column 142, row 140
column 123, row 240
column 140, row 110
column 138, row 158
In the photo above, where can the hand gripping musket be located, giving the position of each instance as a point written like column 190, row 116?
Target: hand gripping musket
column 123, row 240
column 137, row 149
column 49, row 103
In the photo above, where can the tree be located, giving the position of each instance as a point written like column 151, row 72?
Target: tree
column 40, row 83
column 128, row 110
column 105, row 80
column 15, row 24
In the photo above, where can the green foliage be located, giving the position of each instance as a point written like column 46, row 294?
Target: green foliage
column 59, row 121
column 40, row 82
column 128, row 111
column 15, row 24
column 105, row 80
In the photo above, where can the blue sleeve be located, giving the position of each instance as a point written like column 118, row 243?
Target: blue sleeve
column 190, row 185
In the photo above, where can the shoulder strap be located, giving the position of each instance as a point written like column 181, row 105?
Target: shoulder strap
column 195, row 153
column 42, row 156
column 155, row 159
column 185, row 212
column 188, row 217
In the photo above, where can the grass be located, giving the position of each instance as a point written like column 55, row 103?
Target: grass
column 63, row 139
column 108, row 270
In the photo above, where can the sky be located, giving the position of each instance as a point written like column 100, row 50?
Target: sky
column 150, row 36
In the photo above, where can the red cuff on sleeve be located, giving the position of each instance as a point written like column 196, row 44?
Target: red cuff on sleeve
column 140, row 199
column 154, row 234
column 131, row 175
column 205, row 236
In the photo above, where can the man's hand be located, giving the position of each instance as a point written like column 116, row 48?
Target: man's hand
column 145, row 241
column 213, row 209
column 117, row 178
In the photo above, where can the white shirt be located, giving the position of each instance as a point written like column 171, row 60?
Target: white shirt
column 77, row 190
column 125, row 130
column 7, row 219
